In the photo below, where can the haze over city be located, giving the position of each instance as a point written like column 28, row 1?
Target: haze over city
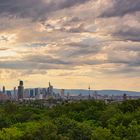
column 72, row 43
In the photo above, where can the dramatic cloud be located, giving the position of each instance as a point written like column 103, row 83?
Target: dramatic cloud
column 81, row 40
column 121, row 7
column 35, row 9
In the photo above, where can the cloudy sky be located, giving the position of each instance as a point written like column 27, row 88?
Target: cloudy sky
column 72, row 43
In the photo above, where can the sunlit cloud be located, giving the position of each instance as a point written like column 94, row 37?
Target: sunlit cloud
column 81, row 40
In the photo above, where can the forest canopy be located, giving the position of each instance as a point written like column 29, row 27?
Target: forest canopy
column 82, row 120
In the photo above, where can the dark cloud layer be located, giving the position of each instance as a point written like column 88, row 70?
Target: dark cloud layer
column 127, row 33
column 35, row 9
column 70, row 36
column 121, row 7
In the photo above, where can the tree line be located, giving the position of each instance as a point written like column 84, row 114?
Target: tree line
column 82, row 120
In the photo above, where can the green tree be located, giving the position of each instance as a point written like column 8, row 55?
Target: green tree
column 82, row 131
column 10, row 134
column 103, row 134
column 10, row 108
column 133, row 131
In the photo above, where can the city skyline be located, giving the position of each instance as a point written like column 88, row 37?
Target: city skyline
column 72, row 43
column 88, row 88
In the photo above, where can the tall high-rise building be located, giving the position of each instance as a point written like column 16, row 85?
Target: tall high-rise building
column 15, row 90
column 3, row 89
column 15, row 93
column 62, row 92
column 20, row 90
column 124, row 96
column 50, row 89
column 32, row 93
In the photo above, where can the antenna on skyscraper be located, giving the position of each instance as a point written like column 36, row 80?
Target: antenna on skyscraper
column 49, row 83
column 89, row 89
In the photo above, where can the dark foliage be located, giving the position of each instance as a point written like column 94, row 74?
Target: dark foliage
column 83, row 120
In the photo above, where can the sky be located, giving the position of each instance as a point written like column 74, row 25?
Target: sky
column 71, row 43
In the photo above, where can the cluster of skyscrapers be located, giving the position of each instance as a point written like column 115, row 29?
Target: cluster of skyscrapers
column 20, row 93
column 31, row 93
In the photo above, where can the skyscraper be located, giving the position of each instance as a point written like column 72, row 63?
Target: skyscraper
column 15, row 93
column 20, row 90
column 62, row 92
column 124, row 96
column 3, row 89
column 50, row 89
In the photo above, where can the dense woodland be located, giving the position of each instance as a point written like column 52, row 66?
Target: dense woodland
column 83, row 120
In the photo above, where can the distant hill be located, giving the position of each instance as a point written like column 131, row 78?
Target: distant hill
column 101, row 92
